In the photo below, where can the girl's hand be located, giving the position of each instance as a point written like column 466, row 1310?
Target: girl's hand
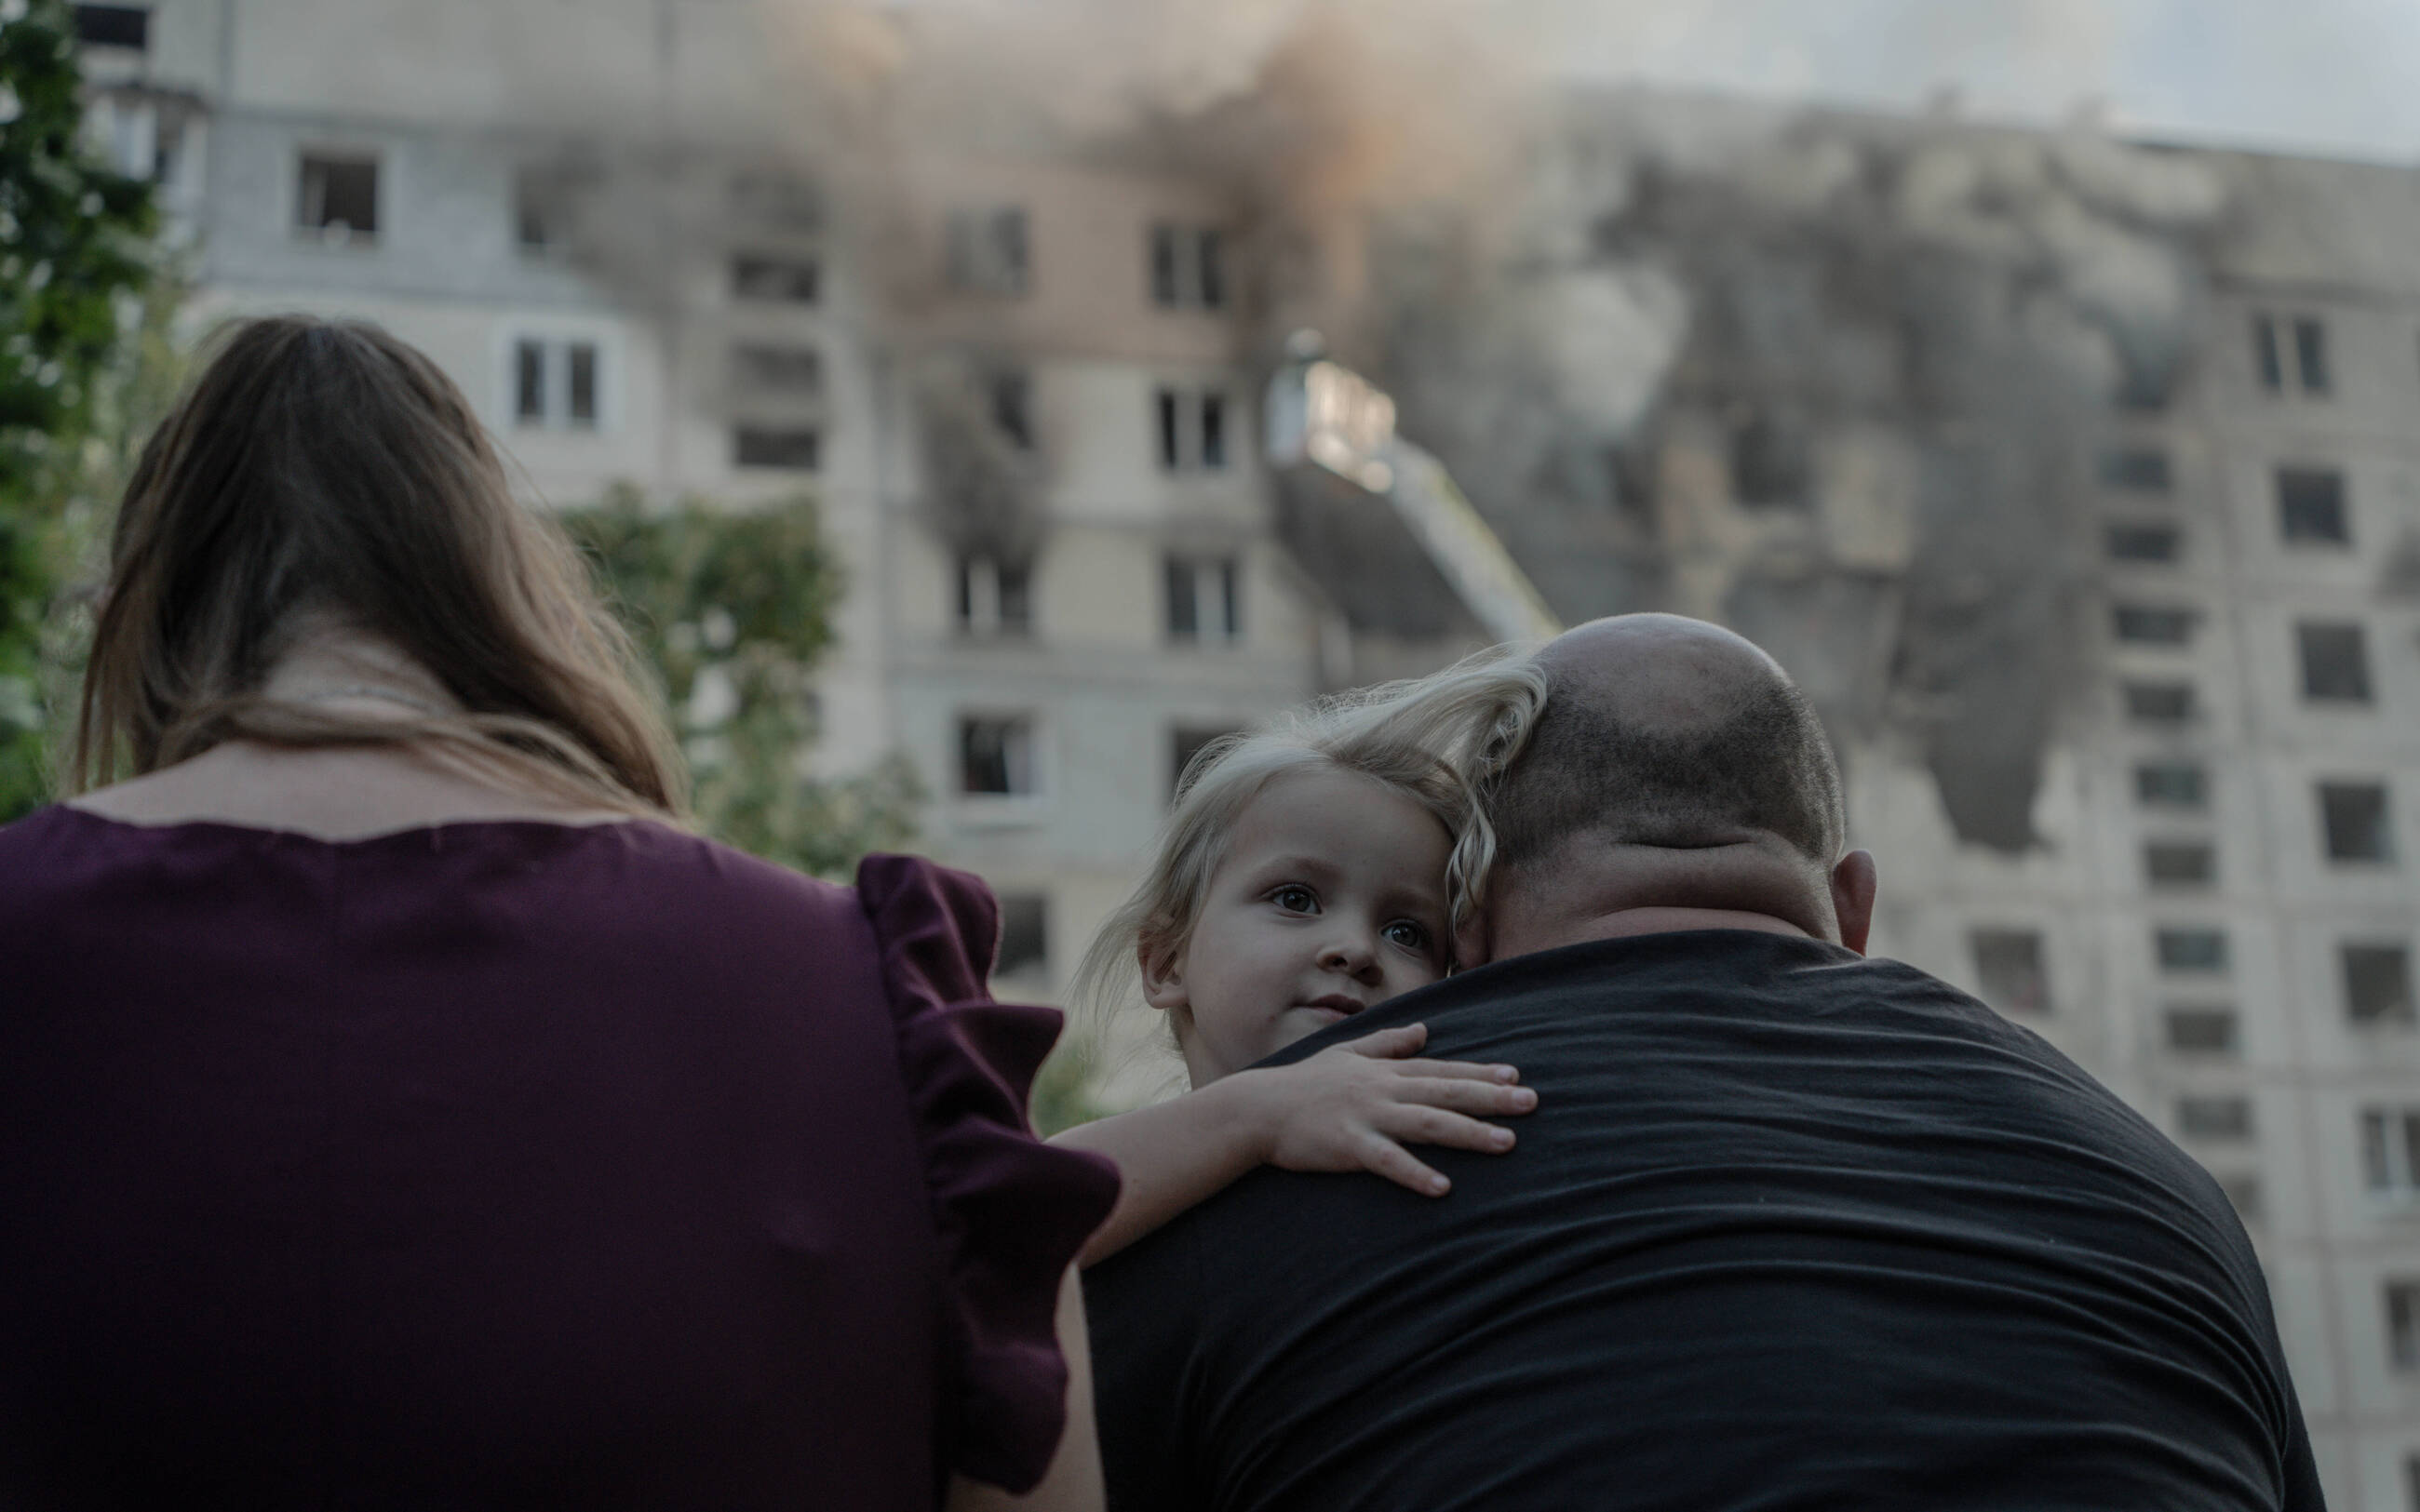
column 1353, row 1107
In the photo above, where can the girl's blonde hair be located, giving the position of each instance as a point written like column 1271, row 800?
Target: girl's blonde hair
column 1442, row 741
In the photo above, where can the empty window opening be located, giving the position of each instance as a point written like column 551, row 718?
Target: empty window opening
column 2214, row 1118
column 1188, row 269
column 2403, row 1325
column 2377, row 983
column 987, row 251
column 788, row 449
column 540, row 212
column 2179, row 863
column 1190, row 427
column 2143, row 624
column 777, row 201
column 2357, row 821
column 762, row 369
column 2335, row 663
column 1024, row 934
column 995, row 756
column 2171, row 785
column 2137, row 469
column 2202, row 1030
column 1185, row 742
column 2311, row 508
column 338, row 198
column 128, row 26
column 2145, row 543
column 2311, row 353
column 1202, row 593
column 994, row 598
column 2267, row 358
column 776, row 280
column 529, row 382
column 2160, row 702
column 2390, row 1152
column 2190, row 949
column 557, row 384
column 2008, row 967
column 1772, row 460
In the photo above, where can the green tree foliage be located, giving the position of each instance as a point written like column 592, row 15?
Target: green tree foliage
column 76, row 257
column 732, row 609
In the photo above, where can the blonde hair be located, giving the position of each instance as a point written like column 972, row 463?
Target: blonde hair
column 326, row 468
column 1442, row 741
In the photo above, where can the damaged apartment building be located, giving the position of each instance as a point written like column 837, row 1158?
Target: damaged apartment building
column 2075, row 480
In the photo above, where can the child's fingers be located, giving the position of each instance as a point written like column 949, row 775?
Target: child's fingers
column 1390, row 1044
column 1489, row 1098
column 1390, row 1160
column 1471, row 1069
column 1415, row 1125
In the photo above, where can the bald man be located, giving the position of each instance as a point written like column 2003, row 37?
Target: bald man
column 1790, row 1229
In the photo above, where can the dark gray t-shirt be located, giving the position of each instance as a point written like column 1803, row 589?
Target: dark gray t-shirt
column 1790, row 1229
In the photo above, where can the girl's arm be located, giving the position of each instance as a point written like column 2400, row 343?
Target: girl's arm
column 1352, row 1106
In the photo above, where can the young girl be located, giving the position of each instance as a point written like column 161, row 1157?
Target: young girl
column 1309, row 871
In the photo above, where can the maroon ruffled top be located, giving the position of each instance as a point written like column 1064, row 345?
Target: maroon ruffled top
column 514, row 1165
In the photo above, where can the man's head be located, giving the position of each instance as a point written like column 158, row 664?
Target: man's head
column 1675, row 776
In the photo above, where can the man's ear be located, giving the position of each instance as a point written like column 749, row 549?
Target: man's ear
column 1854, row 881
column 1163, row 978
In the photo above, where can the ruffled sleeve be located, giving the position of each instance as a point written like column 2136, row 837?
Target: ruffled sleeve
column 1012, row 1211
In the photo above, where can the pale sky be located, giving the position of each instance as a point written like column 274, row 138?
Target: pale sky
column 2331, row 76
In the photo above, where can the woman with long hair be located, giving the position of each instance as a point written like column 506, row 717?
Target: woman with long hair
column 399, row 1106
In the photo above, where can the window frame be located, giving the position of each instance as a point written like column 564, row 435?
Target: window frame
column 322, row 231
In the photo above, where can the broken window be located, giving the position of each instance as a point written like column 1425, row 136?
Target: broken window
column 2357, row 822
column 2311, row 353
column 2335, row 663
column 2390, row 1152
column 2177, row 863
column 2171, row 785
column 1771, row 461
column 2202, row 1031
column 783, row 448
column 2266, row 357
column 2008, row 969
column 2160, row 702
column 2377, row 983
column 538, row 218
column 2311, row 508
column 1187, row 267
column 1185, row 742
column 127, row 26
column 2144, row 625
column 760, row 367
column 995, row 756
column 782, row 280
column 2214, row 1118
column 987, row 252
column 2145, row 543
column 1024, row 934
column 2137, row 469
column 1202, row 599
column 994, row 598
column 338, row 198
column 2190, row 949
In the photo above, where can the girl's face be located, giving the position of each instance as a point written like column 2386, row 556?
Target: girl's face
column 1331, row 899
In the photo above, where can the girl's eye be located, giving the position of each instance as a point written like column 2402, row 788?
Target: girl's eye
column 1411, row 936
column 1295, row 899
